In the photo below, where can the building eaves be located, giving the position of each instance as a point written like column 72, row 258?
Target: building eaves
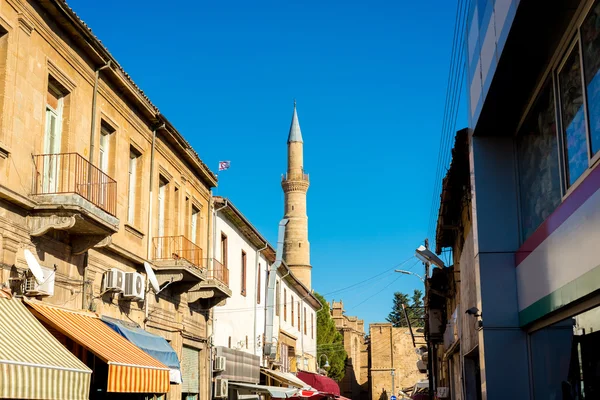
column 83, row 35
column 455, row 186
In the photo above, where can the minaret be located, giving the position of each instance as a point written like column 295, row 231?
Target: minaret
column 296, row 249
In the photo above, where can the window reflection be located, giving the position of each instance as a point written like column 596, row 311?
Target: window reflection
column 573, row 118
column 539, row 178
column 590, row 36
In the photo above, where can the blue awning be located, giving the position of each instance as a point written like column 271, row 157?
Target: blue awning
column 154, row 345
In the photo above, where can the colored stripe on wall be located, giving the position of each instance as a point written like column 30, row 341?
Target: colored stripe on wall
column 574, row 290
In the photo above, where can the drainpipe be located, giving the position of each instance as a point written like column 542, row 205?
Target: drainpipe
column 94, row 97
column 301, row 328
column 215, row 232
column 271, row 288
column 258, row 294
column 150, row 198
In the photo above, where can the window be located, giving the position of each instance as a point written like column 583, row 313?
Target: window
column 284, row 304
column 299, row 316
column 258, row 284
column 590, row 33
column 52, row 139
column 194, row 225
column 243, row 273
column 537, row 152
column 105, row 147
column 162, row 199
column 246, row 341
column 229, row 342
column 132, row 189
column 277, row 297
column 224, row 249
column 573, row 117
column 176, row 213
column 312, row 325
column 305, row 320
column 292, row 309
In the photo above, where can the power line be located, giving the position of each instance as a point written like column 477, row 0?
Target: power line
column 370, row 297
column 451, row 107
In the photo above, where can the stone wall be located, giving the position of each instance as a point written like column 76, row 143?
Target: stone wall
column 391, row 349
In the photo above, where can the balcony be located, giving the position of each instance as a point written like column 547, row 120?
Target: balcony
column 178, row 260
column 72, row 195
column 215, row 290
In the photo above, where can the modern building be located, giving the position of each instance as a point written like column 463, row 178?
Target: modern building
column 355, row 384
column 532, row 71
column 95, row 184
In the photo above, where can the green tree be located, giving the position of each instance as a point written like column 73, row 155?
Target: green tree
column 330, row 342
column 414, row 309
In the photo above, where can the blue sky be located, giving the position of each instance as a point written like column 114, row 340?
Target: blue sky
column 370, row 80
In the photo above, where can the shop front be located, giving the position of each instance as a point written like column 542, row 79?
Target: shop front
column 120, row 369
column 33, row 364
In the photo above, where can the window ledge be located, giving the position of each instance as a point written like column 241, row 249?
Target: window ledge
column 134, row 231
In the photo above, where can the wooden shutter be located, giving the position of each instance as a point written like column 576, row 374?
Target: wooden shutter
column 190, row 370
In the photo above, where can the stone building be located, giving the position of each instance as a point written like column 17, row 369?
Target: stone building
column 355, row 384
column 93, row 178
column 391, row 350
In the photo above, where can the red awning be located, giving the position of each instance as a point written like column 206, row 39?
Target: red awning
column 320, row 382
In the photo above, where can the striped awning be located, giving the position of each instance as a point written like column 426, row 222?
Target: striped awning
column 130, row 369
column 33, row 364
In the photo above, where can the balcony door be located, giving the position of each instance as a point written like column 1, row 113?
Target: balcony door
column 102, row 175
column 162, row 192
column 52, row 141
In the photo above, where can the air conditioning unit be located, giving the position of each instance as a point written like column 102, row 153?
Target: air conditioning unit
column 220, row 364
column 114, row 281
column 46, row 288
column 221, row 388
column 134, row 286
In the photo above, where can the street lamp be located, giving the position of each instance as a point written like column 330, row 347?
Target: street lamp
column 410, row 273
column 427, row 256
column 326, row 366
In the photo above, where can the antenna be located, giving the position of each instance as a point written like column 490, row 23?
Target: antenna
column 151, row 277
column 34, row 266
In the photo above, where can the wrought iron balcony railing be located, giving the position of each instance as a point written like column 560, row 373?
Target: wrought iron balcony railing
column 70, row 173
column 177, row 248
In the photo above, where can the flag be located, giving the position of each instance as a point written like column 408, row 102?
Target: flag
column 224, row 165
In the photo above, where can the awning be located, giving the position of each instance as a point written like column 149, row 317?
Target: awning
column 273, row 391
column 33, row 364
column 130, row 370
column 320, row 382
column 286, row 378
column 153, row 345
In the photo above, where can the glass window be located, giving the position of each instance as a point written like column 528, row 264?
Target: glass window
column 566, row 358
column 539, row 178
column 573, row 118
column 590, row 36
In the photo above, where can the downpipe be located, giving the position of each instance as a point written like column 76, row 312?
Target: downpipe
column 256, row 266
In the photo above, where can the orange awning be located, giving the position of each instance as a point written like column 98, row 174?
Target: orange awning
column 130, row 369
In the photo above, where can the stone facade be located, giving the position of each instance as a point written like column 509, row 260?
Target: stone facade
column 49, row 63
column 391, row 349
column 355, row 384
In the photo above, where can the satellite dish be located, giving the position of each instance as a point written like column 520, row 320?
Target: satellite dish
column 34, row 266
column 151, row 277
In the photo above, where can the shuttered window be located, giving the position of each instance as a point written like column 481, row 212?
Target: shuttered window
column 190, row 370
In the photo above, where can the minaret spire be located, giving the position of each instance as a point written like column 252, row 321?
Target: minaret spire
column 296, row 250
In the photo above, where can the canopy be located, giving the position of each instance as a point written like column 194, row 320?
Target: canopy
column 273, row 391
column 154, row 345
column 33, row 364
column 286, row 378
column 130, row 370
column 320, row 382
